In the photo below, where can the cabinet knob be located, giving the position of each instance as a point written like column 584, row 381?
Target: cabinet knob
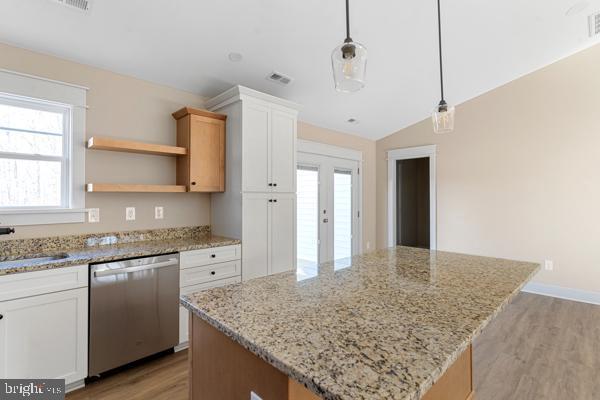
column 193, row 183
column 274, row 200
column 212, row 272
column 213, row 255
column 270, row 184
column 274, row 184
column 270, row 200
column 1, row 316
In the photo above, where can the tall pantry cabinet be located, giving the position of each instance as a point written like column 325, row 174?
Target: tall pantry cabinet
column 259, row 203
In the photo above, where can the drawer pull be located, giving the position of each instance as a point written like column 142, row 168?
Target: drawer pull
column 212, row 272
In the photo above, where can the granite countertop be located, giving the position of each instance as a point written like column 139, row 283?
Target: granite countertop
column 155, row 242
column 384, row 325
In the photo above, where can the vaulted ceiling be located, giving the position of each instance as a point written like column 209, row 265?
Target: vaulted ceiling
column 186, row 43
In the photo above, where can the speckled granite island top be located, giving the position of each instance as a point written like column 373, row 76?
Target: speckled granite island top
column 85, row 249
column 385, row 325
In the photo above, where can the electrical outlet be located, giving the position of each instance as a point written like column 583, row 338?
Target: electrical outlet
column 130, row 214
column 548, row 265
column 159, row 212
column 93, row 215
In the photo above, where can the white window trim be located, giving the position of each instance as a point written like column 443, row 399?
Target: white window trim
column 74, row 96
column 310, row 147
column 430, row 152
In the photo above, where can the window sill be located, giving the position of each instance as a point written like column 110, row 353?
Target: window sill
column 42, row 217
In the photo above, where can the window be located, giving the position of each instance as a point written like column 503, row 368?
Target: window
column 42, row 150
column 34, row 154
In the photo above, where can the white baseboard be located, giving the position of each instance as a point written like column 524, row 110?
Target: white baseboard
column 181, row 346
column 560, row 292
column 74, row 386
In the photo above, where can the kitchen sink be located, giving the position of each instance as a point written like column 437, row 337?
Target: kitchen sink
column 35, row 260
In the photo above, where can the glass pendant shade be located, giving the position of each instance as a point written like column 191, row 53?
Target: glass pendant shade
column 443, row 118
column 349, row 62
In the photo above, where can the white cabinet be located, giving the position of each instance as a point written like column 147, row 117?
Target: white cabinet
column 283, row 152
column 256, row 140
column 261, row 149
column 45, row 335
column 269, row 234
column 283, row 234
column 204, row 269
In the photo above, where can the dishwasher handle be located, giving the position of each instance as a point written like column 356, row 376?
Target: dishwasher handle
column 107, row 272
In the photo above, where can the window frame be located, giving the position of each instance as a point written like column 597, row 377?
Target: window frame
column 65, row 159
column 71, row 99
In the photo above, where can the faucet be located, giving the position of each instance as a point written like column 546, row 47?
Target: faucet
column 7, row 231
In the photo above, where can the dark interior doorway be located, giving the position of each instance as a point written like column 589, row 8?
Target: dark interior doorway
column 412, row 224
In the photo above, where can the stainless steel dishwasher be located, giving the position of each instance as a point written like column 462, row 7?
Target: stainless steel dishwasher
column 134, row 310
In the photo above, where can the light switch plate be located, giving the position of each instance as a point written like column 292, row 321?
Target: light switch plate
column 130, row 214
column 159, row 212
column 548, row 265
column 93, row 215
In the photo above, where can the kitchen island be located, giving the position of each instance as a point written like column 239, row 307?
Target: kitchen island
column 393, row 324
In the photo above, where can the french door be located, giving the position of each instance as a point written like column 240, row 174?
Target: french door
column 327, row 211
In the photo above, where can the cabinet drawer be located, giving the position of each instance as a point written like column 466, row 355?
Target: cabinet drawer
column 209, row 273
column 25, row 284
column 196, row 258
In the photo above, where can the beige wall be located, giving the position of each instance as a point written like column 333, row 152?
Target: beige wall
column 520, row 176
column 322, row 135
column 121, row 107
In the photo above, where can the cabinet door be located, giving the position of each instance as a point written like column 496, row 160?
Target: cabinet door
column 207, row 154
column 184, row 313
column 255, row 235
column 283, row 233
column 45, row 336
column 283, row 152
column 256, row 148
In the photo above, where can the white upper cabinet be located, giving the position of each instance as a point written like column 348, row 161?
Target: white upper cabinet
column 256, row 148
column 283, row 152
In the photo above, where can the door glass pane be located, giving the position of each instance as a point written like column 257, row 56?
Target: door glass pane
column 308, row 221
column 342, row 214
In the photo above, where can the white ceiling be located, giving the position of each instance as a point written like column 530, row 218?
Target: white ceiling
column 185, row 44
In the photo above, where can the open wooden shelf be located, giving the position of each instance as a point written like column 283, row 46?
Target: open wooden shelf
column 129, row 146
column 129, row 188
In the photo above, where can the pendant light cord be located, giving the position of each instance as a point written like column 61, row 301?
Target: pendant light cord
column 440, row 50
column 348, row 21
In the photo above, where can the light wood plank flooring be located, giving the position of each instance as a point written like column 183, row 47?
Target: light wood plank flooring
column 539, row 348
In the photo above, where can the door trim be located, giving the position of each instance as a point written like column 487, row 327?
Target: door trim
column 328, row 150
column 408, row 153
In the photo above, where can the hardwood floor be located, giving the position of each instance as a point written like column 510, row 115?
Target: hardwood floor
column 164, row 378
column 539, row 348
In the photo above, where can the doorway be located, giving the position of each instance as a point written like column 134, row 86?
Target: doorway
column 412, row 197
column 328, row 207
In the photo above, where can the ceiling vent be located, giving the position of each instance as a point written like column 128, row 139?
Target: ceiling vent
column 279, row 78
column 81, row 5
column 594, row 22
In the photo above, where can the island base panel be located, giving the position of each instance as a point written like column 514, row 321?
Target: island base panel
column 221, row 369
column 457, row 381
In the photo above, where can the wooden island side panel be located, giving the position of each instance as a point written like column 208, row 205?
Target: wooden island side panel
column 221, row 369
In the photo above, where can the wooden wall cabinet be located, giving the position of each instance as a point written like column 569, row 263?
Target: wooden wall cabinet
column 202, row 169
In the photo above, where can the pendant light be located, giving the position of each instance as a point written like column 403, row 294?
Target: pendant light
column 349, row 62
column 443, row 114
